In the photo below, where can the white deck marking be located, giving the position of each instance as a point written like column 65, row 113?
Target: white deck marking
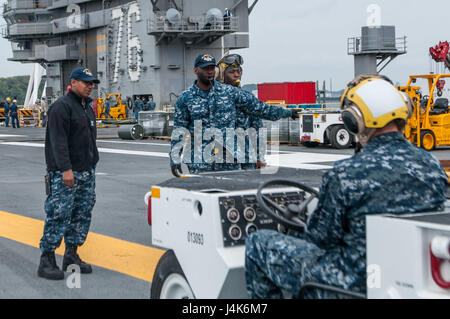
column 128, row 152
column 303, row 160
column 130, row 142
column 11, row 135
column 100, row 149
column 22, row 144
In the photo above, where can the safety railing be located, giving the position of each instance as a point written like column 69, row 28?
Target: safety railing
column 26, row 4
column 356, row 45
column 28, row 28
column 4, row 31
column 19, row 55
column 193, row 24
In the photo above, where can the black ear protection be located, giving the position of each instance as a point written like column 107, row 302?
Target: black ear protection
column 353, row 119
column 350, row 113
column 350, row 122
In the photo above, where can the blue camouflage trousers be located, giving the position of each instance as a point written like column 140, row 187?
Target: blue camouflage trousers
column 15, row 121
column 275, row 263
column 68, row 210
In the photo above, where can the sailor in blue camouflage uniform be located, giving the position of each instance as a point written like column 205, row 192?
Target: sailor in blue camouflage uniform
column 389, row 175
column 150, row 105
column 14, row 112
column 230, row 72
column 6, row 110
column 71, row 156
column 208, row 111
column 138, row 106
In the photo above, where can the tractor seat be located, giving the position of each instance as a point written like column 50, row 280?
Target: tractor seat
column 440, row 107
column 441, row 103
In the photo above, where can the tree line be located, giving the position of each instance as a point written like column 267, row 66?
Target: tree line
column 16, row 87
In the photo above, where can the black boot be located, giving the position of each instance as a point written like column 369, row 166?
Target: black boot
column 48, row 268
column 71, row 257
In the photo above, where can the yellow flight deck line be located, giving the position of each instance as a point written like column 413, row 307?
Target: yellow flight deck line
column 129, row 258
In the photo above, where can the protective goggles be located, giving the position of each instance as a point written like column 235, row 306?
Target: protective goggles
column 232, row 58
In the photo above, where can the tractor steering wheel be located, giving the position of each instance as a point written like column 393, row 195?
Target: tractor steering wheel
column 425, row 100
column 290, row 216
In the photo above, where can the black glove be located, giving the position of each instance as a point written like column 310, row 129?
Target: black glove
column 176, row 170
column 295, row 114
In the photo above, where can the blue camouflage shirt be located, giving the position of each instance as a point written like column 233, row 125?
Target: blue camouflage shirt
column 246, row 122
column 150, row 106
column 14, row 109
column 138, row 105
column 217, row 108
column 390, row 175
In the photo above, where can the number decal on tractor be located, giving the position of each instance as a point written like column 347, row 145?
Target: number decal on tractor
column 195, row 238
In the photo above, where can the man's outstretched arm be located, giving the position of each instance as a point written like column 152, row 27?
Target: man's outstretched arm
column 250, row 105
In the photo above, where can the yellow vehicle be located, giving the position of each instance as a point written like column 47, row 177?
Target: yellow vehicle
column 118, row 109
column 429, row 125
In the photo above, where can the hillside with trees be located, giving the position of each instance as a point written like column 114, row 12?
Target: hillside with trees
column 16, row 87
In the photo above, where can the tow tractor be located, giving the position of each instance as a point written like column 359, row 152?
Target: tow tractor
column 203, row 221
column 324, row 126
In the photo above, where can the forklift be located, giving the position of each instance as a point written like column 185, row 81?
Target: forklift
column 118, row 108
column 429, row 125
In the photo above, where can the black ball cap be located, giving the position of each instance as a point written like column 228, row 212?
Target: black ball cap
column 204, row 60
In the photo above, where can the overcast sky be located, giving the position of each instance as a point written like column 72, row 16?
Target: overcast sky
column 298, row 40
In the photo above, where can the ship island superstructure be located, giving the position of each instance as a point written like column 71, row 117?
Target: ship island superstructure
column 140, row 47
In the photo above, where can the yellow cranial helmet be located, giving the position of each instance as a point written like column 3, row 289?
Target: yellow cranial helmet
column 228, row 61
column 370, row 102
column 8, row 99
